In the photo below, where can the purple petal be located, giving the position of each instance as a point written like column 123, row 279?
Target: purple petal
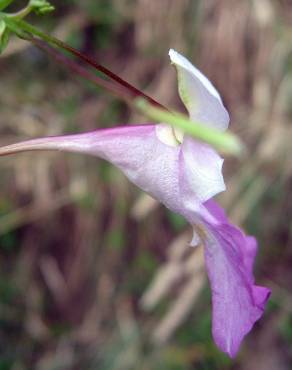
column 216, row 211
column 237, row 302
column 200, row 97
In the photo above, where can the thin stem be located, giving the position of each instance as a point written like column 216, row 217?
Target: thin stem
column 20, row 14
column 76, row 68
column 133, row 91
column 223, row 141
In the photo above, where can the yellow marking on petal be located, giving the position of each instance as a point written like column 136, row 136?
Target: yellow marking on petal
column 169, row 135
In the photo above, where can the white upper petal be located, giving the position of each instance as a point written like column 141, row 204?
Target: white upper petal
column 200, row 97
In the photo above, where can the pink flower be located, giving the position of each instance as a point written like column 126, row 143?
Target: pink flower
column 184, row 174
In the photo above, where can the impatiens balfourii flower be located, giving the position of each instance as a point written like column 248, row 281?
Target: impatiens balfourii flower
column 184, row 174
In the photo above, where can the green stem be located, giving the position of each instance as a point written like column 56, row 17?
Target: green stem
column 223, row 141
column 4, row 4
column 20, row 14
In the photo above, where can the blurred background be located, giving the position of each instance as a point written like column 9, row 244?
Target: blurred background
column 94, row 274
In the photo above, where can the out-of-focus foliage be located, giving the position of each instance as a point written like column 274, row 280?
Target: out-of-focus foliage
column 93, row 273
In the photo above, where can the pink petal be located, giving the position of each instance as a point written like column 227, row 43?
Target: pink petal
column 181, row 177
column 237, row 302
column 136, row 150
column 200, row 97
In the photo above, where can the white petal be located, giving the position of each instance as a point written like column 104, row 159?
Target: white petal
column 200, row 171
column 200, row 97
column 195, row 239
column 166, row 135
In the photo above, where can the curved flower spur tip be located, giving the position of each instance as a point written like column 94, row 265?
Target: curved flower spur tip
column 200, row 97
column 237, row 302
column 73, row 143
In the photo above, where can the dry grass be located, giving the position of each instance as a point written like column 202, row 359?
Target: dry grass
column 80, row 245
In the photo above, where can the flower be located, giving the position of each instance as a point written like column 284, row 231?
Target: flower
column 184, row 174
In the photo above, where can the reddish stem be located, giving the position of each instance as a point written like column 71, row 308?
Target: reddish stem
column 132, row 89
column 120, row 91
